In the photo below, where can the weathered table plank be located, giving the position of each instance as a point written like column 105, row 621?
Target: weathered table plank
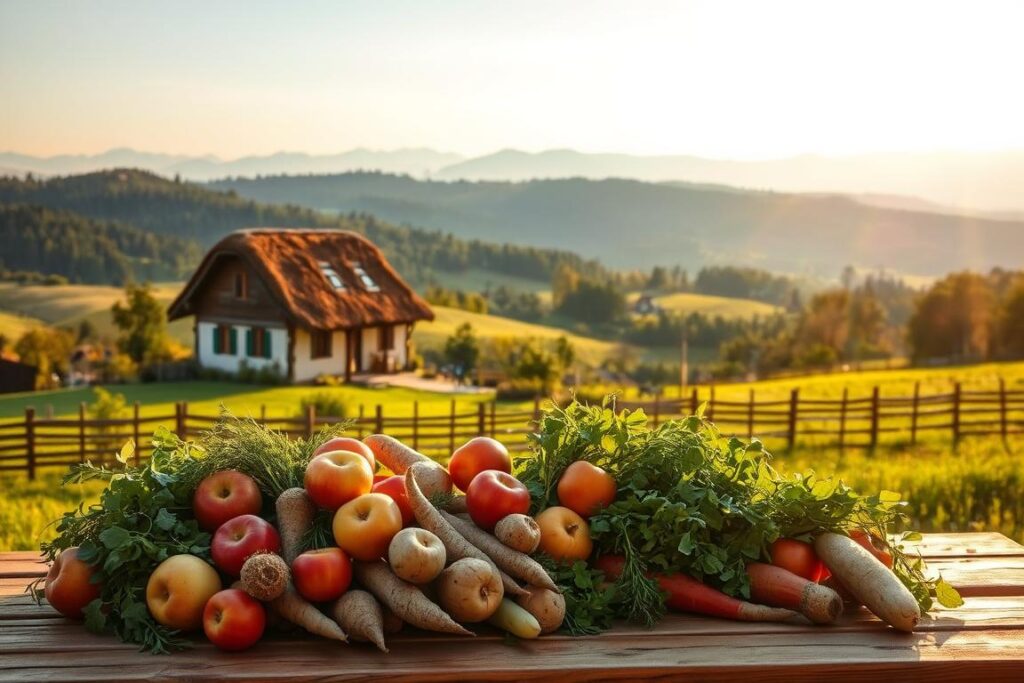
column 983, row 640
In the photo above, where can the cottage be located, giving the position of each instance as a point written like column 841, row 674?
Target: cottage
column 309, row 302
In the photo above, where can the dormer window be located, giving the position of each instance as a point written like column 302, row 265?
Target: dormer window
column 332, row 275
column 364, row 277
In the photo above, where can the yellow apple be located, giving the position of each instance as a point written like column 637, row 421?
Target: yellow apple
column 178, row 589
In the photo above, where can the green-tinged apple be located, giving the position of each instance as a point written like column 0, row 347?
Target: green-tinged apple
column 345, row 443
column 334, row 478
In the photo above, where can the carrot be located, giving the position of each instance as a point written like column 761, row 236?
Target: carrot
column 295, row 513
column 512, row 562
column 359, row 614
column 686, row 594
column 397, row 457
column 869, row 580
column 265, row 576
column 455, row 544
column 405, row 599
column 294, row 608
column 772, row 585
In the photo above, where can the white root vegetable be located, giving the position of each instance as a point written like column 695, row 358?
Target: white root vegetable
column 869, row 580
column 405, row 599
column 432, row 477
column 295, row 514
column 512, row 562
column 514, row 619
column 361, row 616
column 455, row 544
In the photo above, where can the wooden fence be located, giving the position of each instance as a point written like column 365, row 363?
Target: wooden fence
column 35, row 442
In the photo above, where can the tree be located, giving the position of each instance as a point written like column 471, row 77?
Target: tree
column 594, row 302
column 86, row 331
column 1010, row 325
column 867, row 322
column 564, row 282
column 49, row 350
column 658, row 278
column 462, row 350
column 953, row 319
column 143, row 324
column 826, row 322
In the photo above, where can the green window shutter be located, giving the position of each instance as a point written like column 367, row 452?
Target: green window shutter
column 233, row 341
column 250, row 342
column 217, row 340
column 266, row 344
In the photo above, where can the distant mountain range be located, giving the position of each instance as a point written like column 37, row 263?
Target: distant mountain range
column 984, row 182
column 631, row 224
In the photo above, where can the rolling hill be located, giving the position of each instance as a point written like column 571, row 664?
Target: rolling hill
column 686, row 303
column 631, row 224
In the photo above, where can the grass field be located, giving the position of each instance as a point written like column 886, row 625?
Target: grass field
column 713, row 306
column 13, row 325
column 476, row 280
column 68, row 305
column 432, row 335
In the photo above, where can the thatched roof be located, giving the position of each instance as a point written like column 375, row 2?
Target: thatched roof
column 290, row 263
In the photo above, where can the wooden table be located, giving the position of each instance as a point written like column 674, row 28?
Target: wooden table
column 983, row 641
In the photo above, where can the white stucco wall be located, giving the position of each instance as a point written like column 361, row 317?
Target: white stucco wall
column 400, row 359
column 307, row 368
column 230, row 362
column 370, row 339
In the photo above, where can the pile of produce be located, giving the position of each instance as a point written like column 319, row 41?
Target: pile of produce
column 246, row 531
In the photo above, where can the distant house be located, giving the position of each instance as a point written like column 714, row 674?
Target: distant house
column 309, row 302
column 645, row 305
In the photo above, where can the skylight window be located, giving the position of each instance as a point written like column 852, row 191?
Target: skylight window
column 332, row 275
column 367, row 281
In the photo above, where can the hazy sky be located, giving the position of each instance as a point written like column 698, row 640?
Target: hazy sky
column 726, row 79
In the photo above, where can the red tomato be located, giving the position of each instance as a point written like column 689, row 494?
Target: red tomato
column 798, row 557
column 475, row 456
column 394, row 486
column 493, row 495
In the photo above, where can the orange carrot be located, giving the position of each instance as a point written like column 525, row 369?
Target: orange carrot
column 772, row 585
column 686, row 594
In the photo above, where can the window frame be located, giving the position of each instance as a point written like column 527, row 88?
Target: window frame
column 365, row 279
column 240, row 285
column 332, row 276
column 321, row 343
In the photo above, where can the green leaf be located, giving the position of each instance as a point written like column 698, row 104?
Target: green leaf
column 114, row 537
column 947, row 595
column 165, row 520
column 95, row 619
column 127, row 452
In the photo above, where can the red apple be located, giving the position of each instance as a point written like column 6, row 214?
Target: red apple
column 344, row 443
column 225, row 495
column 238, row 538
column 336, row 477
column 233, row 620
column 475, row 456
column 69, row 587
column 322, row 575
column 394, row 486
column 493, row 495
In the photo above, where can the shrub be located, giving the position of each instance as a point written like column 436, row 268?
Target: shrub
column 325, row 404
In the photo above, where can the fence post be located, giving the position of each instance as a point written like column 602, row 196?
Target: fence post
column 183, row 435
column 135, row 433
column 30, row 441
column 415, row 425
column 874, row 417
column 310, row 419
column 494, row 406
column 750, row 415
column 451, row 428
column 711, row 405
column 481, row 427
column 536, row 408
column 655, row 410
column 1002, row 408
column 380, row 419
column 956, row 413
column 842, row 419
column 794, row 404
column 263, row 412
column 693, row 401
column 915, row 406
column 362, row 414
column 81, row 432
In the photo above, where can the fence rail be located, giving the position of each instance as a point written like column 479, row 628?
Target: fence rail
column 33, row 443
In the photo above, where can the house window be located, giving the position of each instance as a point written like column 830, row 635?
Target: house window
column 257, row 342
column 241, row 285
column 367, row 281
column 225, row 340
column 332, row 275
column 320, row 344
column 386, row 340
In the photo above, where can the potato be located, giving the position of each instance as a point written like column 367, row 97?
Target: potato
column 416, row 555
column 547, row 607
column 469, row 590
column 518, row 532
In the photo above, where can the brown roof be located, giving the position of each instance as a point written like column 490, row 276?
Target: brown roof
column 288, row 261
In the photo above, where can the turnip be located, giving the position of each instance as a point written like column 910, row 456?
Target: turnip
column 519, row 532
column 469, row 591
column 416, row 555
